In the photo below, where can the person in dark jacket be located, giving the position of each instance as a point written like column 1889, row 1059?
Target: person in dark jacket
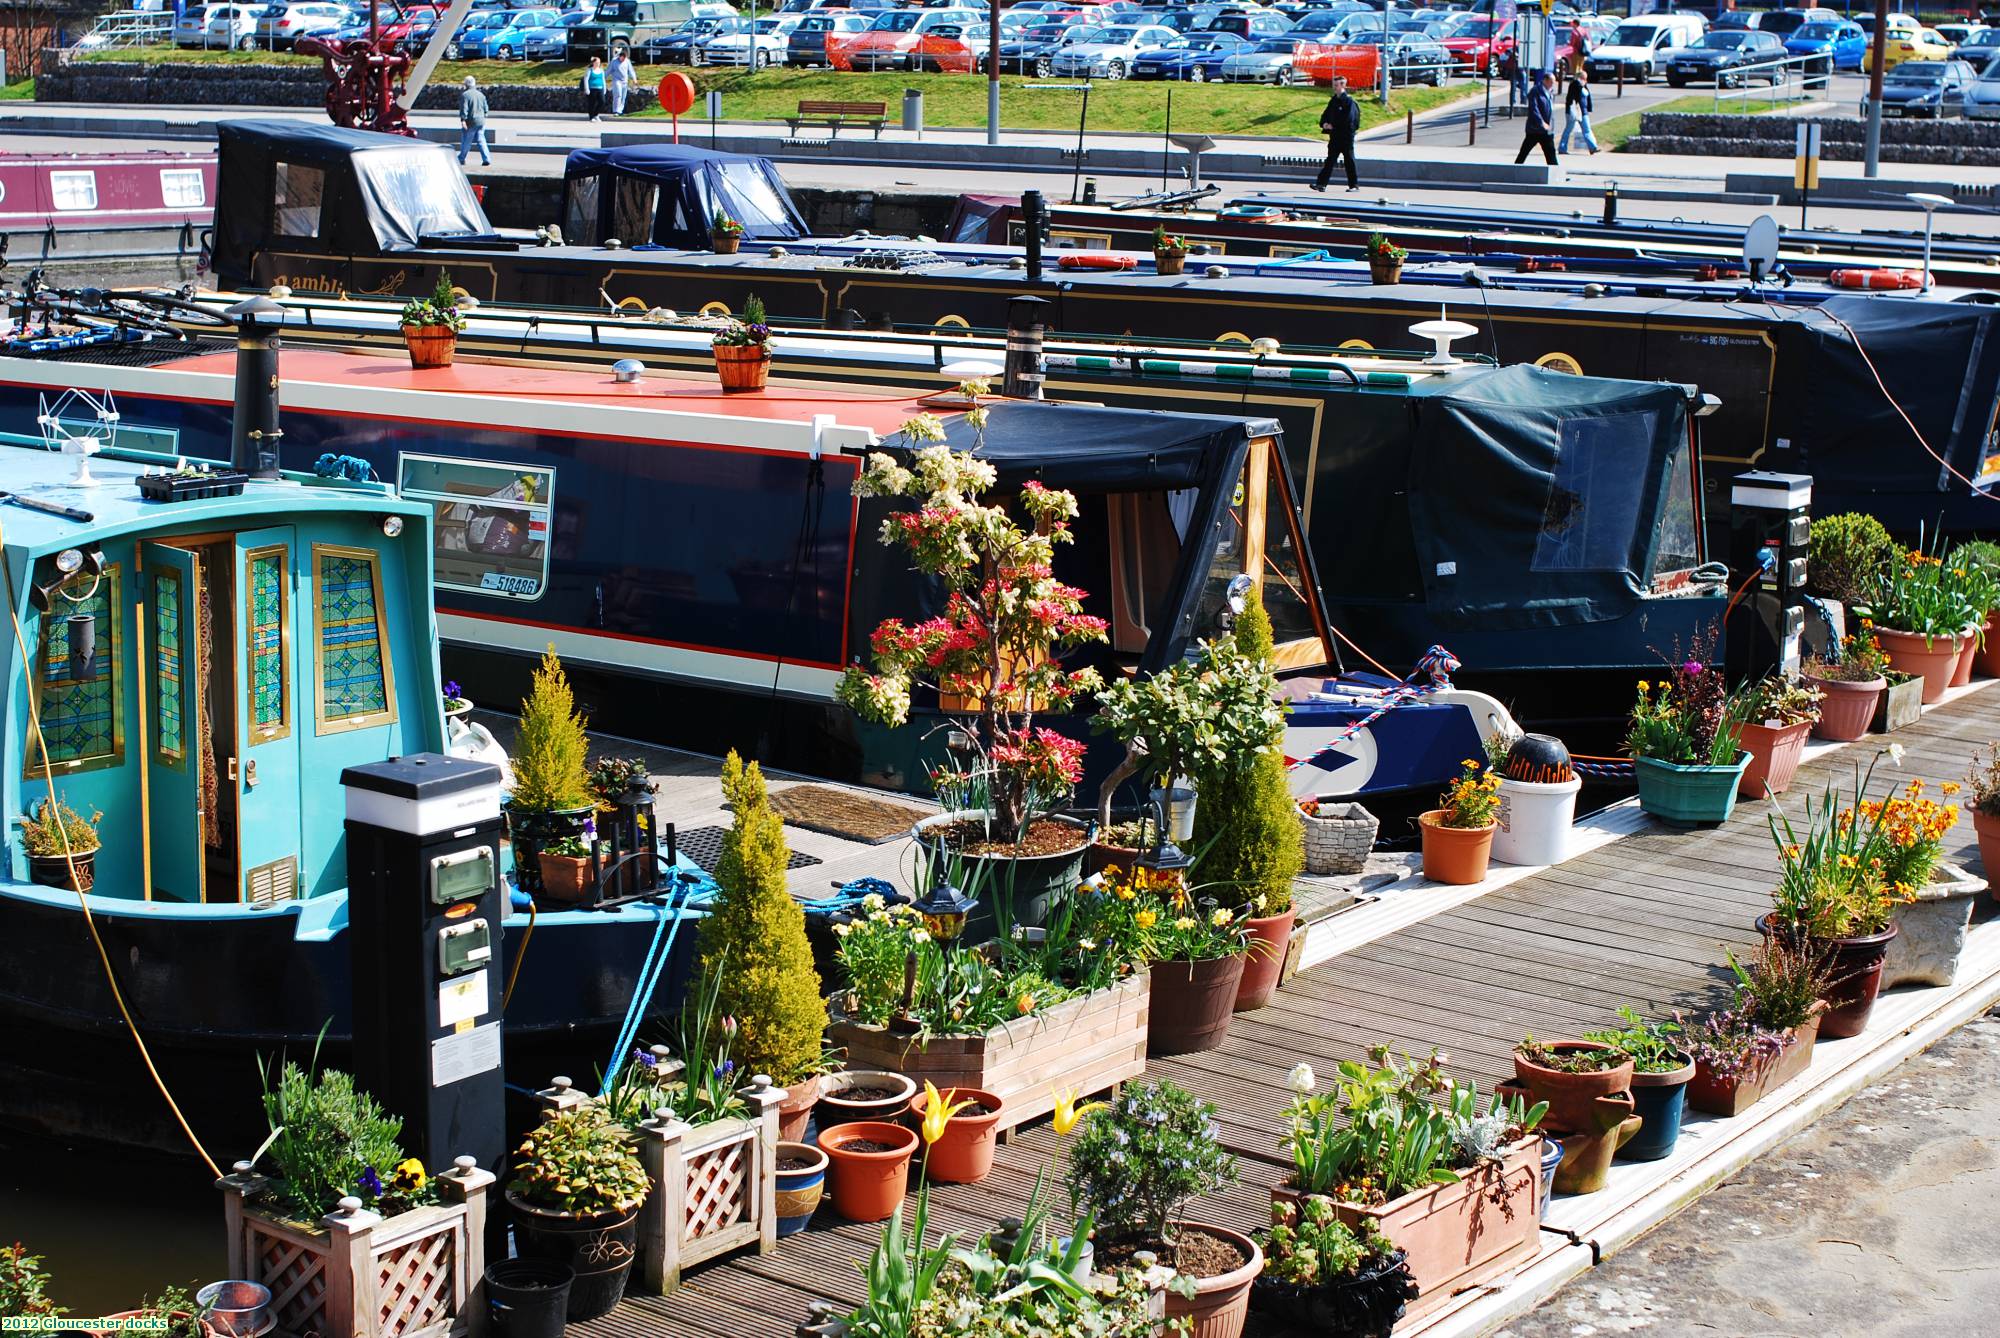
column 1576, row 110
column 1340, row 120
column 1541, row 119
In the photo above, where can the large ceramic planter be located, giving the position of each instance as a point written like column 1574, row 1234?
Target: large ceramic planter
column 1013, row 890
column 1930, row 931
column 963, row 1154
column 1456, row 855
column 800, row 1188
column 1845, row 708
column 1775, row 752
column 1338, row 838
column 742, row 367
column 857, row 1094
column 1365, row 1305
column 1270, row 940
column 1660, row 1099
column 795, row 1111
column 600, row 1247
column 1220, row 1304
column 1573, row 1097
column 1931, row 658
column 1854, row 968
column 868, row 1186
column 1717, row 1095
column 1986, row 827
column 1190, row 1003
column 1692, row 796
column 1902, row 704
column 1968, row 651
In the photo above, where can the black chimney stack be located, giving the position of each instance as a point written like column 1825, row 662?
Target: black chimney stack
column 255, row 436
column 1024, row 348
column 1034, row 222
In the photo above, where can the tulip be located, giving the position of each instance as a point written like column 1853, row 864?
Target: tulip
column 939, row 1111
column 1068, row 1114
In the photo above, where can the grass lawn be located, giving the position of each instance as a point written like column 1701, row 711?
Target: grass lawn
column 949, row 100
column 23, row 91
column 1613, row 133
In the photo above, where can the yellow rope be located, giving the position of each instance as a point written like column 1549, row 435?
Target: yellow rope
column 520, row 955
column 69, row 859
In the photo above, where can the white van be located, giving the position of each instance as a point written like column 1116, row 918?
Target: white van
column 1634, row 49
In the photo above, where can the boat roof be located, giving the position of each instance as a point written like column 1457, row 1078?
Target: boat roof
column 651, row 160
column 306, row 141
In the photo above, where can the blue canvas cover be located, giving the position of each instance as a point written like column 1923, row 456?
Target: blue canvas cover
column 668, row 195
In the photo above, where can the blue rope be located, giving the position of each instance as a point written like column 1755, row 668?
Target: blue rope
column 332, row 466
column 641, row 997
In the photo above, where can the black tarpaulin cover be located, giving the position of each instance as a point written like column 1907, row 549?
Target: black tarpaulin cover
column 1536, row 497
column 694, row 184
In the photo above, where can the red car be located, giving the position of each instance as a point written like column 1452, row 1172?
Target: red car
column 1353, row 62
column 1472, row 42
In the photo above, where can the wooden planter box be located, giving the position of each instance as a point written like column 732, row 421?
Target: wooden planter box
column 1729, row 1097
column 360, row 1275
column 1900, row 704
column 1458, row 1236
column 1090, row 1044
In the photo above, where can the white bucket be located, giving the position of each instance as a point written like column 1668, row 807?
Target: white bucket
column 1535, row 820
column 1177, row 801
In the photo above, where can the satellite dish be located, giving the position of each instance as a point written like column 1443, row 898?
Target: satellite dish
column 1760, row 245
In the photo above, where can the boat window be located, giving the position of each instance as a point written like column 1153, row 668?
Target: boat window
column 73, row 190
column 78, row 695
column 1224, row 567
column 753, row 201
column 354, row 680
column 1145, row 534
column 407, row 198
column 296, row 194
column 1592, row 511
column 492, row 523
column 1679, row 548
column 181, row 187
column 580, row 218
column 169, row 677
column 632, row 204
column 268, row 642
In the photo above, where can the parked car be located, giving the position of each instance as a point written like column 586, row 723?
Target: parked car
column 1980, row 48
column 898, row 38
column 225, row 28
column 1726, row 59
column 282, row 25
column 1356, row 62
column 756, row 46
column 807, row 44
column 1958, row 34
column 1637, row 48
column 1866, row 22
column 1934, row 88
column 506, row 39
column 1194, row 57
column 1476, row 41
column 1838, row 45
column 1267, row 60
column 473, row 30
column 1918, row 44
column 1782, row 23
column 1412, row 59
column 624, row 24
column 1261, row 24
column 679, row 46
column 1111, row 52
column 1033, row 51
column 1982, row 95
column 552, row 42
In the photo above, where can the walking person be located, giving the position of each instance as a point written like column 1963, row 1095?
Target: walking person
column 1576, row 110
column 1541, row 119
column 593, row 89
column 622, row 79
column 472, row 122
column 1340, row 121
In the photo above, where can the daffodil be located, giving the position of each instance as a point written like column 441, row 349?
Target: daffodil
column 1145, row 919
column 1068, row 1114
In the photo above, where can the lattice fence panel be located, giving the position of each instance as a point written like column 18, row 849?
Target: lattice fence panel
column 413, row 1282
column 717, row 1181
column 297, row 1279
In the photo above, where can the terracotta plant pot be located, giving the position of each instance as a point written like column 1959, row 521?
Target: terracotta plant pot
column 799, row 1191
column 1101, row 855
column 1189, row 1004
column 1457, row 855
column 1660, row 1099
column 1220, row 1304
column 1270, row 940
column 728, row 243
column 868, row 1186
column 1847, row 708
column 1573, row 1097
column 430, row 345
column 53, row 871
column 1688, row 796
column 1901, row 704
column 840, row 1104
column 565, row 878
column 742, row 367
column 1968, row 651
column 1855, row 965
column 795, row 1111
column 1933, row 658
column 1986, row 827
column 1986, row 660
column 1385, row 271
column 964, row 1154
column 1775, row 752
column 1727, row 1097
column 1169, row 262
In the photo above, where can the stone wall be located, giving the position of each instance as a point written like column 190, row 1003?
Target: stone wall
column 1947, row 143
column 248, row 84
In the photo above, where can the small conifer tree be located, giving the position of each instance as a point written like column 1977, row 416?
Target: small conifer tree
column 1246, row 823
column 550, row 746
column 754, row 953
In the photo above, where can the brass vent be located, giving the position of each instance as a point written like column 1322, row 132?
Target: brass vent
column 274, row 882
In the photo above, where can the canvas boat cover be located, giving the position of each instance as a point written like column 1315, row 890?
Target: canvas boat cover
column 678, row 188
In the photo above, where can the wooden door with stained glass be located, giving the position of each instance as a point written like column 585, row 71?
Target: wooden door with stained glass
column 266, row 771
column 175, row 661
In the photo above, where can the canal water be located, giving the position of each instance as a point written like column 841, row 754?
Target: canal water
column 112, row 1227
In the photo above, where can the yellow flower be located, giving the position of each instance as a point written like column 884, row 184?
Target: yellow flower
column 1950, row 788
column 1791, row 852
column 1848, row 862
column 1067, row 1113
column 1221, row 917
column 1145, row 919
column 939, row 1110
column 1026, row 1004
column 409, row 1176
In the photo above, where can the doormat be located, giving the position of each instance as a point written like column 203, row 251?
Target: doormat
column 838, row 812
column 703, row 845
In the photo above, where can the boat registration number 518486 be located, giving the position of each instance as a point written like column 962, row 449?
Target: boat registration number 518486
column 506, row 584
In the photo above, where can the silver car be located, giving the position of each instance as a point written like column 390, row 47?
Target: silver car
column 282, row 25
column 1982, row 95
column 1267, row 60
column 1111, row 53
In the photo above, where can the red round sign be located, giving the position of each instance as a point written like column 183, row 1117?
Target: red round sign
column 676, row 93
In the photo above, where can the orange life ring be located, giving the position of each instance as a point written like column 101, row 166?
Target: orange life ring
column 1875, row 278
column 1094, row 260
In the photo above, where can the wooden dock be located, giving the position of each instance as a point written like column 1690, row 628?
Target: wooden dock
column 1643, row 920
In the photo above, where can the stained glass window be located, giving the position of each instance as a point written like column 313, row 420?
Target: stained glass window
column 169, row 724
column 354, row 672
column 77, row 695
column 266, row 598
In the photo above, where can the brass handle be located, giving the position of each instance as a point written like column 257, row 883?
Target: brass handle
column 250, row 773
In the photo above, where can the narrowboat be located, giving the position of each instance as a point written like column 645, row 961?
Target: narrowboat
column 104, row 205
column 1802, row 385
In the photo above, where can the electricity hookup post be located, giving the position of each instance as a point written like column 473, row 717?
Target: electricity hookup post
column 1805, row 166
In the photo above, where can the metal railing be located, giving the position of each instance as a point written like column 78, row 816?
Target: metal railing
column 128, row 28
column 1780, row 79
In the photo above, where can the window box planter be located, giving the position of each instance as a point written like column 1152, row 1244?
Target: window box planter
column 191, row 487
column 1901, row 704
column 1689, row 796
column 1728, row 1097
column 1930, row 931
column 1089, row 1043
column 415, row 1275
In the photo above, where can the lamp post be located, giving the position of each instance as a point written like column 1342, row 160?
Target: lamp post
column 1930, row 204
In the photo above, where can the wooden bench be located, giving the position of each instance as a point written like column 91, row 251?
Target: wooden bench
column 833, row 115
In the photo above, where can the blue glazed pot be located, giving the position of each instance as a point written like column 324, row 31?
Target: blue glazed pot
column 799, row 1191
column 1689, row 796
column 1552, row 1157
column 1660, row 1099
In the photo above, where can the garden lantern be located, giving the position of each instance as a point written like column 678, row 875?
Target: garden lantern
column 1165, row 856
column 944, row 909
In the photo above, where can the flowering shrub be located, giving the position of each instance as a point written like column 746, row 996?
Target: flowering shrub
column 1845, row 875
column 958, row 993
column 1914, row 828
column 455, row 698
column 1210, row 711
column 1921, row 593
column 1688, row 720
column 52, row 829
column 1473, row 800
column 1162, row 917
column 1381, row 248
column 1005, row 618
column 1165, row 241
column 1139, row 1162
column 722, row 225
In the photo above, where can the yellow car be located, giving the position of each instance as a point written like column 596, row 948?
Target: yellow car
column 1907, row 44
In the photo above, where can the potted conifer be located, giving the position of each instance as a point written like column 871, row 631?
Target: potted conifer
column 431, row 325
column 551, row 799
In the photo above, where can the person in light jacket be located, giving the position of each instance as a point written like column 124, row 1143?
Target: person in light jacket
column 622, row 80
column 592, row 85
column 1576, row 110
column 472, row 122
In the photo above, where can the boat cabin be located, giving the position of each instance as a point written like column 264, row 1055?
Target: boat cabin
column 670, row 195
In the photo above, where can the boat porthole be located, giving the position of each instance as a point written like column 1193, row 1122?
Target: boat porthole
column 955, row 322
column 1232, row 337
column 1356, row 343
column 715, row 309
column 1560, row 362
column 633, row 304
